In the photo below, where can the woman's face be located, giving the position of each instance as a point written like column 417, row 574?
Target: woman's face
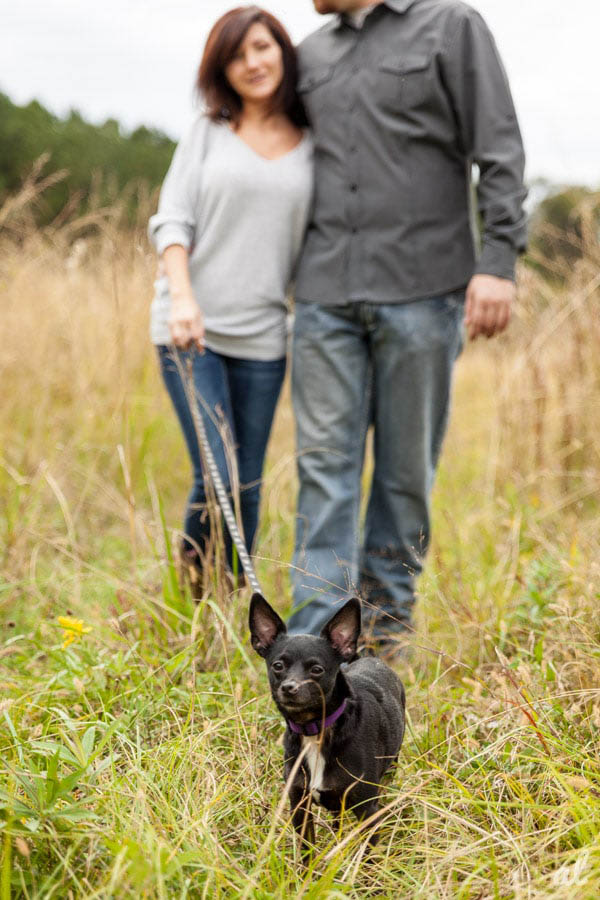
column 256, row 70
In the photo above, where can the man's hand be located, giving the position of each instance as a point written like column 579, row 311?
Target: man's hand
column 186, row 323
column 488, row 305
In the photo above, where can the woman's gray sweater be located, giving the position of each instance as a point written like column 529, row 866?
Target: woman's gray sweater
column 242, row 218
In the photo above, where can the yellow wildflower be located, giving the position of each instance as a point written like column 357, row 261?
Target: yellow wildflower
column 73, row 629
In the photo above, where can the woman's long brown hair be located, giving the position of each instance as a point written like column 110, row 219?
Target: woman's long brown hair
column 221, row 101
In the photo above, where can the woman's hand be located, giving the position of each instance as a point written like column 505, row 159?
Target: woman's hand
column 186, row 323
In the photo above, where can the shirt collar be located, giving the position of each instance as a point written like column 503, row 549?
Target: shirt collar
column 399, row 6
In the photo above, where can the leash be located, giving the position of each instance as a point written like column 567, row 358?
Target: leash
column 217, row 482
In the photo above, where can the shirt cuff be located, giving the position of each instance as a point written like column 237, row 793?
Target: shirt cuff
column 497, row 258
column 166, row 235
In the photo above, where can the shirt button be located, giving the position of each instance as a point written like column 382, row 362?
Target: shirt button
column 354, row 188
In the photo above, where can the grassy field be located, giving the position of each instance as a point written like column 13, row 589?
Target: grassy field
column 139, row 749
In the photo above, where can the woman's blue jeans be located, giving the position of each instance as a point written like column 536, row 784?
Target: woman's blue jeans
column 237, row 399
column 361, row 364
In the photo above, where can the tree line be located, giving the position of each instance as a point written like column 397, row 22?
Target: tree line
column 96, row 159
column 99, row 162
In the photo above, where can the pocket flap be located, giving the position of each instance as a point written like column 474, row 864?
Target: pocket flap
column 314, row 77
column 405, row 65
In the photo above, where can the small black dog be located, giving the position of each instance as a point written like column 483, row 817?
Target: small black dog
column 351, row 716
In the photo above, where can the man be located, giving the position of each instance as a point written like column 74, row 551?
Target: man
column 403, row 96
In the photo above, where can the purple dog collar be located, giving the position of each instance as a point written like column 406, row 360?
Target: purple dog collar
column 317, row 725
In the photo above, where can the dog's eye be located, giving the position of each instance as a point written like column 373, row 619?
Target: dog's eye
column 278, row 666
column 317, row 670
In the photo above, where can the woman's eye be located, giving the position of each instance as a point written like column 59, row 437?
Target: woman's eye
column 317, row 670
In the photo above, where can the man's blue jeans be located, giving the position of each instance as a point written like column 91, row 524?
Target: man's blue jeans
column 389, row 365
column 237, row 399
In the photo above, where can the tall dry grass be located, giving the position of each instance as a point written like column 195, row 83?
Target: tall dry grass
column 142, row 760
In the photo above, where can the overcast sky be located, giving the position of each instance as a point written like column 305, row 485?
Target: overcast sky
column 135, row 60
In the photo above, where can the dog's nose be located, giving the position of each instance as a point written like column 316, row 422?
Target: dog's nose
column 290, row 688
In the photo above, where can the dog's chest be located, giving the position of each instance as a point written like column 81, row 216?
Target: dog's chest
column 316, row 764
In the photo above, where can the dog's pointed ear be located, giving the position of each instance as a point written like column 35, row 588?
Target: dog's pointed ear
column 343, row 630
column 265, row 624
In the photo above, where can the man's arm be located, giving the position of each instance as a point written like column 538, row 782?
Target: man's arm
column 489, row 134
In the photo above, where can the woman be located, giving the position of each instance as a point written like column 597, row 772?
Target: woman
column 230, row 222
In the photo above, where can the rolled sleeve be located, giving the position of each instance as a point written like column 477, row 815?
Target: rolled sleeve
column 176, row 218
column 490, row 135
column 165, row 233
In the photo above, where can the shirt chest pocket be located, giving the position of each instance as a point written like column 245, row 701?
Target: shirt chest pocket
column 404, row 83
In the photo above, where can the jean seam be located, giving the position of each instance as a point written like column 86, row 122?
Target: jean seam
column 364, row 427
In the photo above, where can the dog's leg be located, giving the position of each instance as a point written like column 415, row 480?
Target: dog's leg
column 367, row 810
column 302, row 819
column 338, row 815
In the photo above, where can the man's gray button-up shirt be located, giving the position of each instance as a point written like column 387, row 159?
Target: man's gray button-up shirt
column 401, row 109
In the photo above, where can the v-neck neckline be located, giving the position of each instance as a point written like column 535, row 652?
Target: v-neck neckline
column 266, row 158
